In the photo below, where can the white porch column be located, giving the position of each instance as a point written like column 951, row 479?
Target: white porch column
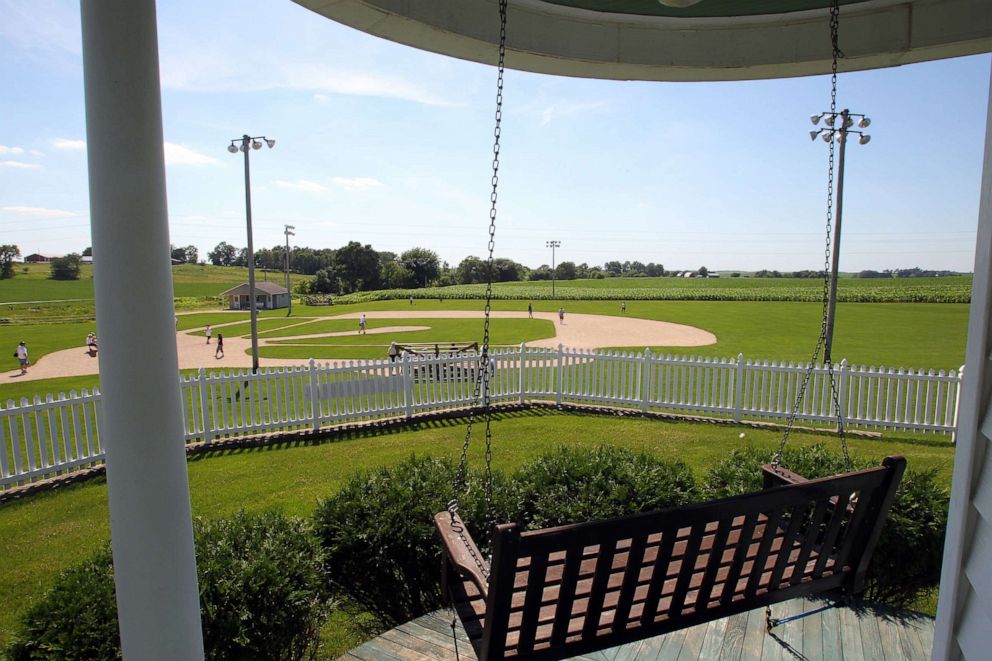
column 151, row 529
column 964, row 609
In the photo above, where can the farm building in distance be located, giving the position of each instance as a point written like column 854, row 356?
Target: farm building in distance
column 268, row 296
column 35, row 258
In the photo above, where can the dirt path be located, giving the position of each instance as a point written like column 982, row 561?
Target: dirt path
column 579, row 331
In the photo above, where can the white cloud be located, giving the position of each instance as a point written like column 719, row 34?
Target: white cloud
column 552, row 112
column 68, row 144
column 302, row 184
column 213, row 68
column 357, row 183
column 38, row 212
column 11, row 150
column 19, row 165
column 180, row 155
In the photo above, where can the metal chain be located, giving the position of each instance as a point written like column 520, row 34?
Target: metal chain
column 485, row 366
column 777, row 457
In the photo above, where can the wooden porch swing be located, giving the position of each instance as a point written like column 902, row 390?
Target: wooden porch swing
column 569, row 590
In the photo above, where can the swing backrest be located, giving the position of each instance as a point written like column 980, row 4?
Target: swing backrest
column 565, row 591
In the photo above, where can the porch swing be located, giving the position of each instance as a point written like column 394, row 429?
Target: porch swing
column 574, row 589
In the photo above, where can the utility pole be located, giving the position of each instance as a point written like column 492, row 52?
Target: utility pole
column 245, row 144
column 287, row 231
column 553, row 245
column 838, row 126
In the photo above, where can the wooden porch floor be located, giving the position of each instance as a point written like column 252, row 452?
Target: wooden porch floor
column 863, row 632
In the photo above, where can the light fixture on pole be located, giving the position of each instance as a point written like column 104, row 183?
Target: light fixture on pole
column 838, row 127
column 289, row 292
column 244, row 144
column 553, row 245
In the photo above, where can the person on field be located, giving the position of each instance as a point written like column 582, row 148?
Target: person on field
column 21, row 353
column 209, row 333
column 561, row 315
column 623, row 308
column 361, row 324
column 530, row 311
column 219, row 353
column 91, row 346
column 394, row 352
column 411, row 300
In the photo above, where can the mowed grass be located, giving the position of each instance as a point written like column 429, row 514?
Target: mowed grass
column 502, row 332
column 917, row 335
column 188, row 280
column 41, row 535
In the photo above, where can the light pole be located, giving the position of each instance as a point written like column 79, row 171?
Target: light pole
column 838, row 126
column 248, row 143
column 553, row 245
column 287, row 231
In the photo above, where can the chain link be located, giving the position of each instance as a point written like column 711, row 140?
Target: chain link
column 486, row 366
column 836, row 54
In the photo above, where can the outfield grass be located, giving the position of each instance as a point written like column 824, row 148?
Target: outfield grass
column 917, row 335
column 188, row 280
column 43, row 534
column 502, row 332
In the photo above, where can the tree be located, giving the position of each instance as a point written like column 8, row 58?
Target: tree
column 395, row 276
column 177, row 254
column 223, row 254
column 613, row 269
column 7, row 254
column 66, row 268
column 424, row 264
column 88, row 251
column 356, row 267
column 471, row 270
column 565, row 271
column 323, row 282
column 542, row 272
column 703, row 272
column 191, row 254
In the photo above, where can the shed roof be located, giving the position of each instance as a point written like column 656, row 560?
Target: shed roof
column 265, row 287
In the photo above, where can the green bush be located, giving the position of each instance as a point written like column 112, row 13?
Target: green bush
column 261, row 596
column 907, row 560
column 378, row 530
column 75, row 619
column 378, row 534
column 570, row 486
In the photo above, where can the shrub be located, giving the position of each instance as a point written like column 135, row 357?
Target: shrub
column 378, row 534
column 570, row 486
column 76, row 618
column 907, row 560
column 261, row 596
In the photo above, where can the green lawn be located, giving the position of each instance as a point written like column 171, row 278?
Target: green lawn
column 503, row 332
column 917, row 335
column 43, row 534
column 188, row 280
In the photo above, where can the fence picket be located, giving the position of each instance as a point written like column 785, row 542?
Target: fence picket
column 48, row 437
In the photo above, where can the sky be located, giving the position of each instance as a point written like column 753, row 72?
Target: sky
column 387, row 145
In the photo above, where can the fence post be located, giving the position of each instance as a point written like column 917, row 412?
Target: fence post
column 559, row 385
column 645, row 379
column 314, row 396
column 521, row 378
column 201, row 382
column 841, row 392
column 957, row 404
column 407, row 386
column 739, row 388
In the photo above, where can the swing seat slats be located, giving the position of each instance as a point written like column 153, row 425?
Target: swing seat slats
column 570, row 590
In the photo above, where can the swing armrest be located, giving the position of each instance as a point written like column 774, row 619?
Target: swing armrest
column 776, row 476
column 459, row 549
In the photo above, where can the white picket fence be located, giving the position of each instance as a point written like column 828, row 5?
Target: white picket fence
column 56, row 435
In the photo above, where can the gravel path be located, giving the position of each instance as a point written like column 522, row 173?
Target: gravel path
column 579, row 331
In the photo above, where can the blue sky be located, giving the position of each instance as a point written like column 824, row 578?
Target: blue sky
column 383, row 144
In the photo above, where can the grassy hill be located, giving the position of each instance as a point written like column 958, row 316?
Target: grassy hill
column 33, row 282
